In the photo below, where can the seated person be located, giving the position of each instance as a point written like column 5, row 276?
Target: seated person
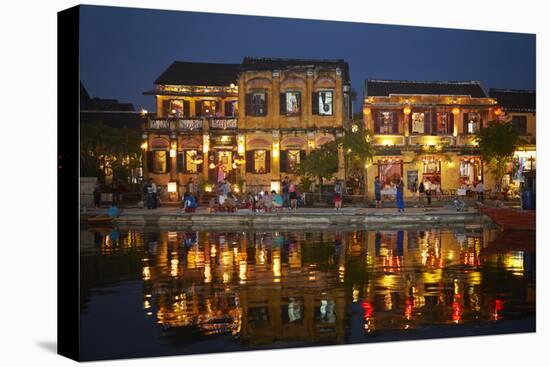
column 267, row 201
column 189, row 203
column 277, row 200
column 230, row 202
column 113, row 211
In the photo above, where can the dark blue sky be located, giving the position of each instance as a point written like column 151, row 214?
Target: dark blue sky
column 124, row 50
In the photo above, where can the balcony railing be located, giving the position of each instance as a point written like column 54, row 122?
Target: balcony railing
column 193, row 124
column 223, row 123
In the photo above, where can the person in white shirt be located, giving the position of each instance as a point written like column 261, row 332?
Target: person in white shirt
column 480, row 189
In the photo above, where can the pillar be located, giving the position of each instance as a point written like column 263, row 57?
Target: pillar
column 275, row 154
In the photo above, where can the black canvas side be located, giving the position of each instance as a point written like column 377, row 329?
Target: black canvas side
column 68, row 183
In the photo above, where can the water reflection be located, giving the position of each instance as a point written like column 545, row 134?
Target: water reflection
column 265, row 288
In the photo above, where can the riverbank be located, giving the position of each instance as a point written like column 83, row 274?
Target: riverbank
column 170, row 217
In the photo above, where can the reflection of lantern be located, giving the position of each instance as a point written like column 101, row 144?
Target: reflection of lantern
column 212, row 165
column 455, row 111
column 407, row 110
column 498, row 111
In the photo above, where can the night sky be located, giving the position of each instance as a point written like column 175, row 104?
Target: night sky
column 124, row 50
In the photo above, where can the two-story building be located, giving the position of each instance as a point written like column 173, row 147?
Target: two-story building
column 251, row 122
column 424, row 131
column 519, row 108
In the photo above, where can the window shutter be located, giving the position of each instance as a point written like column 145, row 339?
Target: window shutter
column 410, row 122
column 198, row 108
column 266, row 104
column 168, row 161
column 248, row 104
column 376, row 116
column 434, row 122
column 465, row 123
column 395, row 123
column 283, row 161
column 267, row 161
column 451, row 127
column 282, row 104
column 315, row 103
column 427, row 122
column 249, row 156
column 299, row 95
column 302, row 155
column 218, row 106
column 480, row 121
column 180, row 161
column 149, row 161
column 227, row 108
column 186, row 108
column 166, row 107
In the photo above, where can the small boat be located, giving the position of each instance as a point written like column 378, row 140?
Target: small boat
column 98, row 219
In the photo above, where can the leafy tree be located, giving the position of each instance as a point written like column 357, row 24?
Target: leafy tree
column 358, row 151
column 106, row 150
column 321, row 163
column 497, row 144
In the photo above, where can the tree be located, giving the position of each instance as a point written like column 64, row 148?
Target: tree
column 106, row 150
column 358, row 151
column 321, row 163
column 497, row 144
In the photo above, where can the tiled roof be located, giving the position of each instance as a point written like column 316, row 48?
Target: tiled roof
column 99, row 104
column 199, row 73
column 377, row 87
column 515, row 100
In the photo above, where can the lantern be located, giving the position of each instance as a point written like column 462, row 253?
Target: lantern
column 407, row 110
column 455, row 111
column 498, row 111
column 366, row 111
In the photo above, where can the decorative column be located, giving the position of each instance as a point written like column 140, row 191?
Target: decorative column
column 308, row 121
column 275, row 152
column 173, row 157
column 310, row 141
column 275, row 100
column 144, row 147
column 205, row 150
column 338, row 99
column 341, row 174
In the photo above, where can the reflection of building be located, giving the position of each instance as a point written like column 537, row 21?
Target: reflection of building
column 519, row 107
column 253, row 121
column 425, row 131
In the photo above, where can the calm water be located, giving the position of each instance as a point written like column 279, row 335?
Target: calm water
column 147, row 293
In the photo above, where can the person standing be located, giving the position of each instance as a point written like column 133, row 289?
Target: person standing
column 285, row 185
column 377, row 193
column 421, row 191
column 399, row 196
column 428, row 190
column 414, row 190
column 97, row 194
column 338, row 194
column 293, row 195
column 191, row 186
column 480, row 189
column 151, row 194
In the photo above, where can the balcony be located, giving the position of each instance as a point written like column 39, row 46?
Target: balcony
column 447, row 140
column 193, row 124
column 223, row 123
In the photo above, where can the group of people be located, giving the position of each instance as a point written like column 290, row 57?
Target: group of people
column 399, row 198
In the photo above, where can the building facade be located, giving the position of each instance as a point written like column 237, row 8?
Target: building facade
column 519, row 108
column 424, row 131
column 251, row 123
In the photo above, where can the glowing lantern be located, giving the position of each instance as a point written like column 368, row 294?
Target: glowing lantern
column 407, row 110
column 498, row 111
column 455, row 111
column 366, row 111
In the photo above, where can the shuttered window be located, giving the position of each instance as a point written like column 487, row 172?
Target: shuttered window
column 256, row 104
column 520, row 124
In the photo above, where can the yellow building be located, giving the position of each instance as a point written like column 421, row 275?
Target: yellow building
column 519, row 107
column 251, row 122
column 424, row 131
